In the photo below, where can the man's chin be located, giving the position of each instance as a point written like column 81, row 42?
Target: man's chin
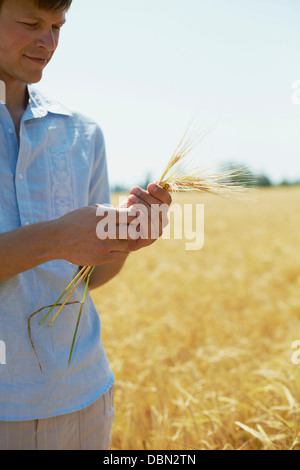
column 34, row 77
column 28, row 76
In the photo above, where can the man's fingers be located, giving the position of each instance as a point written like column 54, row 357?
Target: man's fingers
column 155, row 191
column 119, row 215
column 154, row 196
column 144, row 215
column 159, row 193
column 156, row 211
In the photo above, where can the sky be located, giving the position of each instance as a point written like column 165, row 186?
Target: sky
column 146, row 69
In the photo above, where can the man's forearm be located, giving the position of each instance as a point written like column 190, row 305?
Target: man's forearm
column 105, row 273
column 71, row 237
column 25, row 248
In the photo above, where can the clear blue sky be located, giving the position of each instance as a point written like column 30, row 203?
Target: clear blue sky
column 144, row 68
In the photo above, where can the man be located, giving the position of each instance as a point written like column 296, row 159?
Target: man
column 53, row 175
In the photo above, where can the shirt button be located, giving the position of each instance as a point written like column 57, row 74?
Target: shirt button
column 27, row 223
column 10, row 131
column 20, row 176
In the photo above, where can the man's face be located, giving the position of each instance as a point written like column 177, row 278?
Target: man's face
column 28, row 39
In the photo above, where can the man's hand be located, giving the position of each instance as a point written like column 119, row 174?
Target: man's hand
column 152, row 209
column 137, row 223
column 96, row 235
column 78, row 241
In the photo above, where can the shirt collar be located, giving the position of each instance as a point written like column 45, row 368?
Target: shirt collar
column 39, row 105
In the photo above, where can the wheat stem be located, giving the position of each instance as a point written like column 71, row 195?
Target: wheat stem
column 29, row 327
column 80, row 311
column 69, row 295
column 64, row 292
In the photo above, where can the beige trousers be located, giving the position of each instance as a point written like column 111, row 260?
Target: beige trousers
column 87, row 429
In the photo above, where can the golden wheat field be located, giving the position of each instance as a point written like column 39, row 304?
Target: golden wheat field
column 201, row 341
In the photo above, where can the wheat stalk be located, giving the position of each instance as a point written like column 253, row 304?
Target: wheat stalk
column 83, row 276
column 176, row 177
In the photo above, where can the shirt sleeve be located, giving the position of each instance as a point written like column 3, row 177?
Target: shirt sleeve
column 99, row 189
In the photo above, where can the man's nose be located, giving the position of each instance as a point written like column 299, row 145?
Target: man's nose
column 47, row 40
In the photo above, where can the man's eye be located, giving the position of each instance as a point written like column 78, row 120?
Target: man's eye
column 30, row 25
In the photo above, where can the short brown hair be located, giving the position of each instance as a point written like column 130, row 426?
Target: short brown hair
column 49, row 4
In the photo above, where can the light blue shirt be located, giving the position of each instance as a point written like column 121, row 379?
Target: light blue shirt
column 59, row 166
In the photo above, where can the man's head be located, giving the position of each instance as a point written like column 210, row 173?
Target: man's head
column 29, row 33
column 48, row 4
